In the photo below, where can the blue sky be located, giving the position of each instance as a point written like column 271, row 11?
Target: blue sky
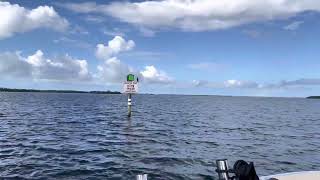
column 250, row 48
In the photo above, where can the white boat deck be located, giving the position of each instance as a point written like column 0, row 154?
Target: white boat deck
column 306, row 175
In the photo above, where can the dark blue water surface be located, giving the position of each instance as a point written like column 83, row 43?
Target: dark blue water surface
column 86, row 136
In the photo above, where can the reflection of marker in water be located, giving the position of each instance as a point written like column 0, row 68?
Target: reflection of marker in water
column 130, row 87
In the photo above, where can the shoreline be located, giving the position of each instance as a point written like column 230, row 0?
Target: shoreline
column 117, row 92
column 57, row 91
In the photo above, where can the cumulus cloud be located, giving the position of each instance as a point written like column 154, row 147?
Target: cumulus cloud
column 197, row 15
column 17, row 19
column 152, row 75
column 64, row 68
column 114, row 47
column 70, row 69
column 293, row 26
column 36, row 66
column 13, row 65
column 113, row 71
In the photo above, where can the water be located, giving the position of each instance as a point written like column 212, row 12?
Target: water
column 83, row 136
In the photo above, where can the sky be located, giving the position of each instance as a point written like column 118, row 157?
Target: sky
column 215, row 47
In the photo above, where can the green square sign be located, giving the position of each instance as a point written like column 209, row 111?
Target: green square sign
column 130, row 77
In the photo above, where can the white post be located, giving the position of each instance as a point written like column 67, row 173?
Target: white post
column 142, row 177
column 129, row 105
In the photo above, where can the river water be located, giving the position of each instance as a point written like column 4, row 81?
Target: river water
column 87, row 136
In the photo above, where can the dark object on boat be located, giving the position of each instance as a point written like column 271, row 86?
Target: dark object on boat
column 245, row 171
column 241, row 170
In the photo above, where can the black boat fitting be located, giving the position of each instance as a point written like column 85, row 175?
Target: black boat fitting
column 241, row 170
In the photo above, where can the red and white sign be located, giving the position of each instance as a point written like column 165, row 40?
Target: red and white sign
column 130, row 87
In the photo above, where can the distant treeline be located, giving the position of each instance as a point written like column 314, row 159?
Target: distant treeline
column 313, row 97
column 104, row 92
column 57, row 91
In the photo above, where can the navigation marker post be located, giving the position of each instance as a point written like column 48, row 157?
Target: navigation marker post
column 130, row 87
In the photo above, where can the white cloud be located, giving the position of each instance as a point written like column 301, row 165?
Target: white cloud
column 197, row 15
column 115, row 46
column 255, row 85
column 17, row 19
column 226, row 84
column 240, row 84
column 113, row 71
column 36, row 66
column 152, row 75
column 64, row 68
column 293, row 26
column 69, row 69
column 12, row 65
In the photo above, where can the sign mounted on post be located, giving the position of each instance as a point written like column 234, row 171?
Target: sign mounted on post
column 130, row 87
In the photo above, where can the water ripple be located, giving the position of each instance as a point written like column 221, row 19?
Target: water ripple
column 84, row 136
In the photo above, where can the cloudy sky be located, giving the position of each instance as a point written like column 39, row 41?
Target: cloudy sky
column 223, row 47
